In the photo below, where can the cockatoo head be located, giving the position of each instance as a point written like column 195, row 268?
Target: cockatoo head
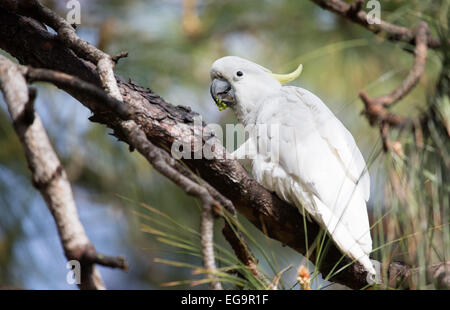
column 239, row 83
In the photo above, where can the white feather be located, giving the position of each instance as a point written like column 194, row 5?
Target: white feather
column 308, row 159
column 320, row 167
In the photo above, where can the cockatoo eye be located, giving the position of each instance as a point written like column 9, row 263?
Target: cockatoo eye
column 239, row 73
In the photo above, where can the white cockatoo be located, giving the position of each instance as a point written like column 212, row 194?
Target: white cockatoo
column 307, row 157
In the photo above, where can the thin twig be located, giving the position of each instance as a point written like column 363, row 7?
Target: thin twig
column 355, row 14
column 67, row 34
column 97, row 94
column 400, row 274
column 242, row 251
column 376, row 109
column 410, row 81
column 207, row 244
column 93, row 257
column 416, row 72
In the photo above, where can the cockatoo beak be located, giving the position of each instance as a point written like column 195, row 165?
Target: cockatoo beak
column 222, row 93
column 284, row 78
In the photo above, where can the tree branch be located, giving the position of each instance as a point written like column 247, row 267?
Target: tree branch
column 48, row 175
column 414, row 75
column 67, row 34
column 400, row 275
column 75, row 84
column 207, row 243
column 242, row 251
column 376, row 109
column 354, row 13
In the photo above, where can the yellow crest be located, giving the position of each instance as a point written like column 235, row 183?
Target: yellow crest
column 284, row 78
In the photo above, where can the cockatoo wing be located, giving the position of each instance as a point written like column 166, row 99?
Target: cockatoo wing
column 340, row 140
column 308, row 158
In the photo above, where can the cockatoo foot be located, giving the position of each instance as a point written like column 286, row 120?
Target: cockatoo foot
column 369, row 267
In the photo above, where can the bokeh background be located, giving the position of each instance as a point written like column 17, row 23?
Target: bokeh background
column 171, row 45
